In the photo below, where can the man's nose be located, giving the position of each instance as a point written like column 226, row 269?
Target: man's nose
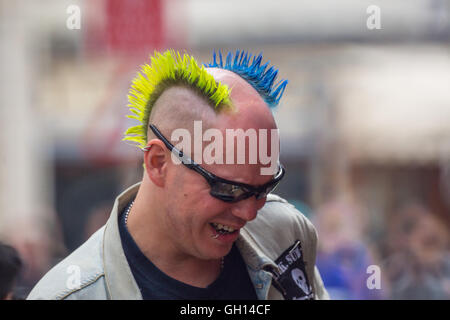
column 248, row 208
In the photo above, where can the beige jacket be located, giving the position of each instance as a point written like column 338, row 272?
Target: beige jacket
column 98, row 269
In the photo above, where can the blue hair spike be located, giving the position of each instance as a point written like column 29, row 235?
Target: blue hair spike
column 229, row 58
column 236, row 59
column 220, row 57
column 214, row 57
column 249, row 68
column 242, row 57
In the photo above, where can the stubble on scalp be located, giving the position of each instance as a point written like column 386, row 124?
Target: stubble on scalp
column 178, row 107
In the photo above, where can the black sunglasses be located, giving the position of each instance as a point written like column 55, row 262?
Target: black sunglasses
column 223, row 189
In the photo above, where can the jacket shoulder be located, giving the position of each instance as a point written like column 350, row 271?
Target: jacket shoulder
column 79, row 276
column 278, row 225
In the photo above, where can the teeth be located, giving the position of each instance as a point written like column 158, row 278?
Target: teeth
column 223, row 227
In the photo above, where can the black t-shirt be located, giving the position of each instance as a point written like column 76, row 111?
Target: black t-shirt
column 233, row 282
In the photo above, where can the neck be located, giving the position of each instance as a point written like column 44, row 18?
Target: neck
column 149, row 234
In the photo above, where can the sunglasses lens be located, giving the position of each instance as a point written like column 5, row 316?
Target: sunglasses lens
column 268, row 190
column 228, row 192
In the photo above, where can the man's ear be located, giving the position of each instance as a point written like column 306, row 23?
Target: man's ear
column 156, row 162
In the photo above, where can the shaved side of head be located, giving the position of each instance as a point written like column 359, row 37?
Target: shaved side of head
column 179, row 107
column 250, row 110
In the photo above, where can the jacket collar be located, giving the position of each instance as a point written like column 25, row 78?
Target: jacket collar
column 119, row 278
column 252, row 254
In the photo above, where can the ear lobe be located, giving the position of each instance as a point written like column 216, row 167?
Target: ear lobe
column 156, row 162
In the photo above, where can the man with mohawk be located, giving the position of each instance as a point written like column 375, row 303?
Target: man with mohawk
column 197, row 229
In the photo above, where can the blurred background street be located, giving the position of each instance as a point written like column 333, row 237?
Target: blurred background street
column 364, row 124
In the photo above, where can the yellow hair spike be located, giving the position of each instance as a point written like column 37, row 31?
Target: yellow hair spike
column 167, row 69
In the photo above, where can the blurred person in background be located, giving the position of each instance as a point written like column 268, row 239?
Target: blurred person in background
column 37, row 250
column 418, row 262
column 96, row 219
column 343, row 256
column 10, row 268
column 191, row 231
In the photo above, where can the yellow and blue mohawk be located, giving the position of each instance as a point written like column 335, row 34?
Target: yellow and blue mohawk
column 171, row 68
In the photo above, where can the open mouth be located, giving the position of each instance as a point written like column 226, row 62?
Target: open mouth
column 223, row 229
